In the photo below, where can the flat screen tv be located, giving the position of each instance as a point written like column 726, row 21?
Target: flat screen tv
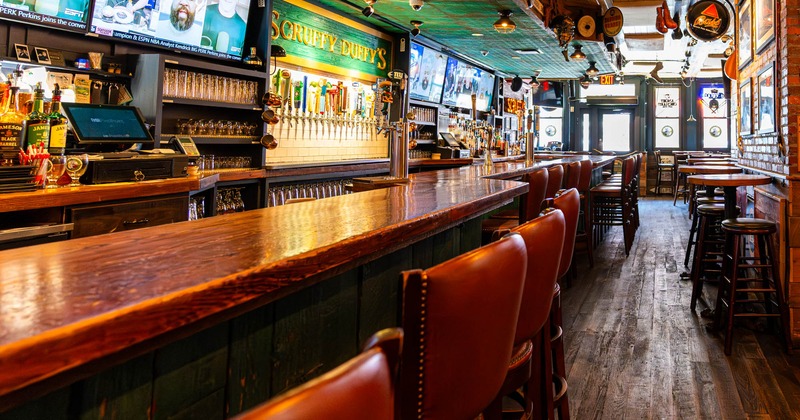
column 426, row 75
column 93, row 123
column 71, row 15
column 214, row 28
column 549, row 94
column 462, row 80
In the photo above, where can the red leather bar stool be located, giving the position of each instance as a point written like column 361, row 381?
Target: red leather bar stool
column 555, row 180
column 612, row 205
column 572, row 175
column 532, row 364
column 459, row 321
column 530, row 206
column 361, row 388
column 751, row 281
column 584, row 236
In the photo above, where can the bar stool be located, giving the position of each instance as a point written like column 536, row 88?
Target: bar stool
column 556, row 176
column 708, row 251
column 361, row 388
column 572, row 175
column 695, row 223
column 661, row 169
column 584, row 231
column 680, row 159
column 459, row 321
column 532, row 364
column 530, row 206
column 738, row 288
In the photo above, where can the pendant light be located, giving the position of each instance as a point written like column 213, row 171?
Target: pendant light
column 592, row 71
column 585, row 81
column 535, row 81
column 505, row 25
column 577, row 55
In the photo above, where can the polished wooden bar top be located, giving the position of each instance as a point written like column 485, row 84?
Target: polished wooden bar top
column 109, row 297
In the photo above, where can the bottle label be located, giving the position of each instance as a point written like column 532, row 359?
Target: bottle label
column 38, row 135
column 9, row 135
column 58, row 136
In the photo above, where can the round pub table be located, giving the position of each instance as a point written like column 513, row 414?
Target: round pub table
column 729, row 182
column 705, row 170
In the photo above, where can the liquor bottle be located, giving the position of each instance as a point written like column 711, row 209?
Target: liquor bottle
column 8, row 149
column 36, row 128
column 58, row 124
column 253, row 60
column 11, row 124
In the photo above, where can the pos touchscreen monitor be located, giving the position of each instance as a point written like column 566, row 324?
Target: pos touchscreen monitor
column 106, row 123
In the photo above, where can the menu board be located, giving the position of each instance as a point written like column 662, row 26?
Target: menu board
column 426, row 73
column 71, row 15
column 208, row 27
column 462, row 80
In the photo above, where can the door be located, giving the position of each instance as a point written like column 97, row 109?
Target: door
column 605, row 129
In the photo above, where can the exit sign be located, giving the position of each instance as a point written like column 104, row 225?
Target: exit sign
column 607, row 79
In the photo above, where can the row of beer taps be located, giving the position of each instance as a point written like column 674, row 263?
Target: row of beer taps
column 296, row 123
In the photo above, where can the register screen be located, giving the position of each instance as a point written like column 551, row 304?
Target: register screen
column 106, row 123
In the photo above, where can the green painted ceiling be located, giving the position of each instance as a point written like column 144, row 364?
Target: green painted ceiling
column 451, row 23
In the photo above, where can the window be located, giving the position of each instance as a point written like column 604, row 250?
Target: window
column 714, row 108
column 595, row 90
column 667, row 115
column 550, row 126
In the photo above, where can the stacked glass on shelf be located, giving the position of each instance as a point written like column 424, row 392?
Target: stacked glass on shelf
column 278, row 195
column 426, row 115
column 419, row 154
column 215, row 128
column 209, row 163
column 229, row 200
column 208, row 87
column 197, row 208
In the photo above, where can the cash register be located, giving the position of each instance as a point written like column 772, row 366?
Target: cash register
column 98, row 128
column 452, row 148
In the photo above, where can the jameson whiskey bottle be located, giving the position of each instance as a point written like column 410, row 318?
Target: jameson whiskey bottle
column 11, row 125
column 58, row 125
column 36, row 129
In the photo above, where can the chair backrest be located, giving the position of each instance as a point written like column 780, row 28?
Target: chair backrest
column 572, row 175
column 569, row 202
column 586, row 176
column 544, row 239
column 556, row 177
column 537, row 187
column 657, row 154
column 459, row 319
column 361, row 388
column 628, row 170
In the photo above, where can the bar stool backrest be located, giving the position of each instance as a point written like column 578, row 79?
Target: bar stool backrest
column 569, row 202
column 537, row 187
column 628, row 170
column 363, row 388
column 544, row 239
column 657, row 154
column 556, row 177
column 572, row 175
column 459, row 319
column 586, row 176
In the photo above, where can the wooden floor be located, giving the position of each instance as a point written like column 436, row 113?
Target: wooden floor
column 635, row 350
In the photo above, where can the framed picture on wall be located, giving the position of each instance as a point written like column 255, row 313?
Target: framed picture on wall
column 745, row 52
column 764, row 18
column 746, row 108
column 766, row 105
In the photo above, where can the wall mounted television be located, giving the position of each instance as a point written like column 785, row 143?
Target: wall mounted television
column 426, row 73
column 462, row 80
column 214, row 28
column 70, row 15
column 549, row 94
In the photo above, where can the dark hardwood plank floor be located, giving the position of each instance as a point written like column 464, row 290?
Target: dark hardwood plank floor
column 635, row 350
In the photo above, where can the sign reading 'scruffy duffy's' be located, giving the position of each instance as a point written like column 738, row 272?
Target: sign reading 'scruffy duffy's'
column 317, row 38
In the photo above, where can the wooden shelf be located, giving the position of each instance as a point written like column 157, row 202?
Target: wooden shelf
column 200, row 102
column 426, row 124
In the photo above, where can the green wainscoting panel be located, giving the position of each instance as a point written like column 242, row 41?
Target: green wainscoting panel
column 380, row 293
column 122, row 392
column 250, row 359
column 53, row 406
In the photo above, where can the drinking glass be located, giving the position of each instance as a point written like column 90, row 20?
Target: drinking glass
column 181, row 77
column 58, row 164
column 76, row 166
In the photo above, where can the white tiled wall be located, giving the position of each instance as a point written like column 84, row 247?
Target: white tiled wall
column 306, row 140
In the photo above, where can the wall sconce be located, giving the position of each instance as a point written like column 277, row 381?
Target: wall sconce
column 369, row 10
column 592, row 71
column 505, row 25
column 276, row 52
column 578, row 55
column 535, row 81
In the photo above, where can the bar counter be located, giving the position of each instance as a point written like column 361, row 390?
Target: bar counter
column 72, row 309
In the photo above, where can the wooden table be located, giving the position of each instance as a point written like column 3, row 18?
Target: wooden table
column 703, row 160
column 729, row 182
column 706, row 170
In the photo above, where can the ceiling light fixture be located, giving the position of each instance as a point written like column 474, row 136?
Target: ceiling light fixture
column 585, row 81
column 592, row 71
column 417, row 24
column 530, row 4
column 505, row 25
column 578, row 55
column 369, row 10
column 535, row 81
column 528, row 51
column 477, row 34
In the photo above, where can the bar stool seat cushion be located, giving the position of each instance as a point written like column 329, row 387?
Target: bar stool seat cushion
column 716, row 209
column 748, row 225
column 709, row 200
column 603, row 189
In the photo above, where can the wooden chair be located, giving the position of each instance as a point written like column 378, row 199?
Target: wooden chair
column 459, row 319
column 361, row 388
